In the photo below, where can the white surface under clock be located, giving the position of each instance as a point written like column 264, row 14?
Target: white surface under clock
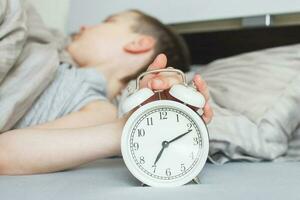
column 169, row 169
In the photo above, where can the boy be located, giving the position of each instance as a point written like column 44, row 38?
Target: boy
column 117, row 50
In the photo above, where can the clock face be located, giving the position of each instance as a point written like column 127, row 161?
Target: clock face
column 166, row 143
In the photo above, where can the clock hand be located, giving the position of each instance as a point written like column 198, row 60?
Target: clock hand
column 180, row 136
column 164, row 144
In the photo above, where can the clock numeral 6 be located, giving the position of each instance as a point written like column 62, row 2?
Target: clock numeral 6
column 168, row 172
column 142, row 160
column 141, row 132
column 182, row 168
column 163, row 115
column 136, row 146
column 149, row 121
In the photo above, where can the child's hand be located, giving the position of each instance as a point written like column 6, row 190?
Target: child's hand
column 164, row 81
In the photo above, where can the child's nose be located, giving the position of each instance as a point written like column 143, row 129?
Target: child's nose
column 82, row 28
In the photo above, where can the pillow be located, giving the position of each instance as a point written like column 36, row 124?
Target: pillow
column 256, row 101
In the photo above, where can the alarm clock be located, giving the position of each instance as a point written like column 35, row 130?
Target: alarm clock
column 165, row 142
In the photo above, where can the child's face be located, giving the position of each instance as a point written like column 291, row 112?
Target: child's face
column 94, row 45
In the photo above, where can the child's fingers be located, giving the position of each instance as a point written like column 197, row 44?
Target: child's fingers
column 201, row 86
column 158, row 84
column 164, row 81
column 208, row 113
column 159, row 62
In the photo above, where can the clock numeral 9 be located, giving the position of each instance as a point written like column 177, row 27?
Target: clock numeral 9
column 142, row 160
column 163, row 115
column 182, row 168
column 136, row 146
column 154, row 168
column 189, row 125
column 149, row 121
column 196, row 141
column 141, row 132
column 168, row 172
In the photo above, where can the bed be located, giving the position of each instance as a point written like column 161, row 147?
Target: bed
column 109, row 179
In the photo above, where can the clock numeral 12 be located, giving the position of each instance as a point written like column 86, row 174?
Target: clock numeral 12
column 149, row 121
column 163, row 115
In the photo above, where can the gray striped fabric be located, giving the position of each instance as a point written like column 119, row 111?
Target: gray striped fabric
column 29, row 57
column 71, row 89
column 256, row 101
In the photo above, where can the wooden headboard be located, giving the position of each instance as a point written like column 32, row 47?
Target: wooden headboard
column 210, row 40
column 208, row 46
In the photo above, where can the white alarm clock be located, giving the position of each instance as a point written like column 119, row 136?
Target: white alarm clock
column 165, row 143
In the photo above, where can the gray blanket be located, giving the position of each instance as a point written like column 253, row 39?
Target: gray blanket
column 256, row 101
column 29, row 57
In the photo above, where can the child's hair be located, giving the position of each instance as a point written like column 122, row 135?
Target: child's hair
column 167, row 42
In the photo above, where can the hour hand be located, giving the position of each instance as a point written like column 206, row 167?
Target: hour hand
column 164, row 144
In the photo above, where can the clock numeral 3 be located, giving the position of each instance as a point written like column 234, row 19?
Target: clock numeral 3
column 141, row 132
column 168, row 172
column 150, row 121
column 136, row 146
column 142, row 160
column 182, row 168
column 163, row 115
column 196, row 141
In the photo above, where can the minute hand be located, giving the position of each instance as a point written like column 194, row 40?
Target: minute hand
column 178, row 137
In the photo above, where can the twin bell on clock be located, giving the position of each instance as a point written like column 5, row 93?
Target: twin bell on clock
column 165, row 142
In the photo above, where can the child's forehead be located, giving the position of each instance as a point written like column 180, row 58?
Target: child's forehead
column 125, row 15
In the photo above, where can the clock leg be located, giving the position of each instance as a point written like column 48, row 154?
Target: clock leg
column 143, row 185
column 196, row 180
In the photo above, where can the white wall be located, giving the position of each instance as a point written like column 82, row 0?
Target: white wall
column 56, row 13
column 53, row 12
column 174, row 11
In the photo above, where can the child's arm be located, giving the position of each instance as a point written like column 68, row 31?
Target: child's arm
column 94, row 113
column 29, row 151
